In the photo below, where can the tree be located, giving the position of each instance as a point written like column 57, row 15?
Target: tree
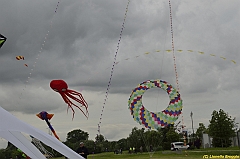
column 136, row 138
column 168, row 135
column 153, row 138
column 99, row 138
column 90, row 144
column 77, row 136
column 221, row 128
column 201, row 130
column 172, row 136
column 100, row 143
column 123, row 144
column 74, row 137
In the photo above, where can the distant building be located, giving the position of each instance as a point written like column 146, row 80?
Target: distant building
column 207, row 140
column 236, row 140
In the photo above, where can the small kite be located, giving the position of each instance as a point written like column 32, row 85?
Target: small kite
column 2, row 40
column 20, row 57
column 61, row 87
column 159, row 119
column 45, row 116
column 233, row 61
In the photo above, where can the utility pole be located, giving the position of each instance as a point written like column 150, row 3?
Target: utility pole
column 191, row 115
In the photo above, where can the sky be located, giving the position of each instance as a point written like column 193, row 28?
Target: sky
column 77, row 41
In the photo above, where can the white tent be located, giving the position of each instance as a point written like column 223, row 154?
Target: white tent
column 11, row 128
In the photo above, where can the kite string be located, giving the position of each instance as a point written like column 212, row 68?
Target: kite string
column 158, row 51
column 42, row 46
column 115, row 59
column 40, row 51
column 174, row 59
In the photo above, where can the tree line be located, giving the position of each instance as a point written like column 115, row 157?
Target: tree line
column 221, row 128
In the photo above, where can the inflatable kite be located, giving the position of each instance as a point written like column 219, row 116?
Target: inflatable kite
column 45, row 116
column 155, row 120
column 2, row 40
column 61, row 87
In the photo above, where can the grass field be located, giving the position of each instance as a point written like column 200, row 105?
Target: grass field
column 191, row 154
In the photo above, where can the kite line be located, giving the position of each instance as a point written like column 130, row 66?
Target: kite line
column 114, row 63
column 174, row 58
column 178, row 51
column 175, row 66
column 42, row 46
column 39, row 52
column 168, row 51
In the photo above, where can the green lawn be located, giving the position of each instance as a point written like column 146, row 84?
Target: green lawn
column 191, row 154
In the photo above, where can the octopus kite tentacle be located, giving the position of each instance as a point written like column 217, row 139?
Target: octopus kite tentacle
column 68, row 102
column 82, row 101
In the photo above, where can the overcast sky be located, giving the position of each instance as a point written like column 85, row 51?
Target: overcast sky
column 78, row 44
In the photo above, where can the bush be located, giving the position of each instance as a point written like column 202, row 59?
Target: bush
column 166, row 145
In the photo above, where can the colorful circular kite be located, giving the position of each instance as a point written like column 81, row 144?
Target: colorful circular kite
column 160, row 119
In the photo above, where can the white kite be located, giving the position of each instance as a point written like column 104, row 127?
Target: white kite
column 11, row 129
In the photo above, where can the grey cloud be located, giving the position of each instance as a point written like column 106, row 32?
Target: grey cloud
column 80, row 48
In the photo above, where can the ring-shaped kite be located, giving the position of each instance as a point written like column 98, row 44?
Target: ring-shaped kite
column 155, row 120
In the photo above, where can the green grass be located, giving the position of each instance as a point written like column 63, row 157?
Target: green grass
column 191, row 154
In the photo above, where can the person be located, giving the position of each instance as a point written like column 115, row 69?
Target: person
column 141, row 149
column 134, row 150
column 82, row 150
column 130, row 150
column 151, row 148
column 197, row 143
column 120, row 151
